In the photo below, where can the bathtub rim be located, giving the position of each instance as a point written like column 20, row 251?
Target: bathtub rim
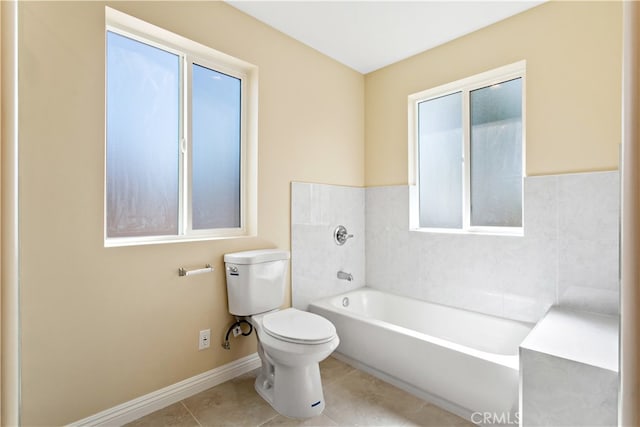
column 509, row 361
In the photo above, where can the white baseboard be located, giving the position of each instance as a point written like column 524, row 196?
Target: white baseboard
column 144, row 405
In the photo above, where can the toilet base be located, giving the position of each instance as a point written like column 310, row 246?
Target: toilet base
column 289, row 379
column 295, row 392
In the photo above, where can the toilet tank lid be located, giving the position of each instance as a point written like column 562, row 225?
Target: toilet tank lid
column 257, row 256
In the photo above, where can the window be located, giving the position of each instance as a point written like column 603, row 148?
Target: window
column 180, row 138
column 467, row 148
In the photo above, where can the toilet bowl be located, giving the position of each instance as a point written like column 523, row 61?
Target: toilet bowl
column 291, row 342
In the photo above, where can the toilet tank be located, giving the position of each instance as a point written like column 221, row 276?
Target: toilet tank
column 256, row 280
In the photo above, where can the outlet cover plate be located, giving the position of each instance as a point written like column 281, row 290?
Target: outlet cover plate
column 205, row 339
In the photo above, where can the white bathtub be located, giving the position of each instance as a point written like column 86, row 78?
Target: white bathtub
column 464, row 361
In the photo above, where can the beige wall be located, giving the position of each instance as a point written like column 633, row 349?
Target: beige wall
column 10, row 326
column 573, row 52
column 101, row 326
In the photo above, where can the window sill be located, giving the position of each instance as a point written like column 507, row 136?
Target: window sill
column 162, row 240
column 516, row 232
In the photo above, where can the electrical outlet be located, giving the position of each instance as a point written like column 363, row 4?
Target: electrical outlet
column 205, row 339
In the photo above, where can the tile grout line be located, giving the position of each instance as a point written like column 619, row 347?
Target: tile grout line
column 334, row 421
column 269, row 419
column 190, row 413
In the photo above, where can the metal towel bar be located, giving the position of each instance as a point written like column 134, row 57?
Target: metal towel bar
column 184, row 272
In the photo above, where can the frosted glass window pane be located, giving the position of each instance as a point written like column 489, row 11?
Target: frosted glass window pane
column 216, row 149
column 143, row 111
column 440, row 161
column 496, row 155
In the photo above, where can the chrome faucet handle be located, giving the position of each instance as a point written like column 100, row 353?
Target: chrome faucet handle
column 340, row 235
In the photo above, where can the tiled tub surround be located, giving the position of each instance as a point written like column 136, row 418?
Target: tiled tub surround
column 316, row 210
column 568, row 255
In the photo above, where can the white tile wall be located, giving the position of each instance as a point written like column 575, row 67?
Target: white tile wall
column 569, row 254
column 588, row 215
column 316, row 210
column 561, row 392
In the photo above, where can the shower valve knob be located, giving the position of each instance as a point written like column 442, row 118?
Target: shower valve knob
column 340, row 235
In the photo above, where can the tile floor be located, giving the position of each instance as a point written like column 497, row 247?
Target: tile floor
column 353, row 398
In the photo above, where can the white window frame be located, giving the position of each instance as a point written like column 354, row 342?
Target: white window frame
column 466, row 85
column 191, row 52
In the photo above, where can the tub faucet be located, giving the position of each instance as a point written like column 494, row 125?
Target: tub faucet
column 345, row 276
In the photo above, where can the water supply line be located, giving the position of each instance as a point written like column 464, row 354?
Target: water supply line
column 237, row 330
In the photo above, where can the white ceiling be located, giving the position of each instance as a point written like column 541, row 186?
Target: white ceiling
column 367, row 35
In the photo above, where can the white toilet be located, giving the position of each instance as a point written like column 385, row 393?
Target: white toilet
column 291, row 342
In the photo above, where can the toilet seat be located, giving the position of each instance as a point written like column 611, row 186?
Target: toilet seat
column 299, row 327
